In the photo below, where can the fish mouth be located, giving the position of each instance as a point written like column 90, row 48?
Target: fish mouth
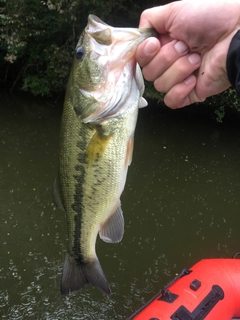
column 129, row 39
column 117, row 37
column 96, row 25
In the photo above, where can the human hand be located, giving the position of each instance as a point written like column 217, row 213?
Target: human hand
column 188, row 61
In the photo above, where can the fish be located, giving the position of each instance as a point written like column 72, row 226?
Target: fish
column 103, row 95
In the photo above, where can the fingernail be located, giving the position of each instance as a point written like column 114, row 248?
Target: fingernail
column 189, row 80
column 194, row 58
column 181, row 47
column 150, row 47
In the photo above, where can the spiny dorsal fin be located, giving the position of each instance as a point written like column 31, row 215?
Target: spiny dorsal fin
column 113, row 229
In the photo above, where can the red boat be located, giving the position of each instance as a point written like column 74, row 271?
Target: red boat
column 210, row 290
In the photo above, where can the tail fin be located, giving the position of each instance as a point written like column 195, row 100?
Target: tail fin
column 76, row 275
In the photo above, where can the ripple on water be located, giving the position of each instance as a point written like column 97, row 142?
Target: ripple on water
column 28, row 300
column 15, row 313
column 46, row 301
column 4, row 298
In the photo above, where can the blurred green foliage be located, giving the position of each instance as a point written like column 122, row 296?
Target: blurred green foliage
column 38, row 37
column 226, row 102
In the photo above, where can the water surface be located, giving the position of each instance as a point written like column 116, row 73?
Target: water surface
column 181, row 204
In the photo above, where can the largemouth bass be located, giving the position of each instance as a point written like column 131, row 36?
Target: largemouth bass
column 96, row 143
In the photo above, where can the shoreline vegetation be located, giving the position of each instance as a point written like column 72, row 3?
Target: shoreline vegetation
column 37, row 41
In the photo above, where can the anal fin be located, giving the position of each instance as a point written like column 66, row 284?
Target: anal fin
column 56, row 195
column 113, row 229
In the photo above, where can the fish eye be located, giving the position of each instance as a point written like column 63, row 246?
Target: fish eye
column 79, row 53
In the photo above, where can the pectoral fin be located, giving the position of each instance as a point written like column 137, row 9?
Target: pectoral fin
column 129, row 153
column 113, row 229
column 142, row 103
column 140, row 83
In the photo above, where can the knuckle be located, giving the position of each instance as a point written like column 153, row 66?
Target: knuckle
column 177, row 94
column 166, row 55
column 182, row 68
column 144, row 15
column 158, row 85
column 148, row 74
column 171, row 102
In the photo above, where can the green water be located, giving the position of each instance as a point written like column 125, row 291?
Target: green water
column 181, row 204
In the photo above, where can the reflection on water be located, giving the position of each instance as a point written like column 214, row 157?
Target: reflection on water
column 180, row 205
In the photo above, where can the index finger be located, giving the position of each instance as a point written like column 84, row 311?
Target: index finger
column 158, row 18
column 147, row 50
